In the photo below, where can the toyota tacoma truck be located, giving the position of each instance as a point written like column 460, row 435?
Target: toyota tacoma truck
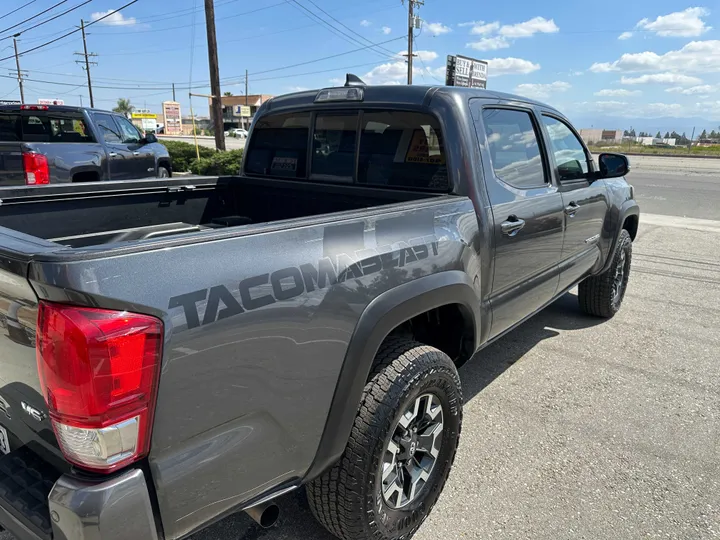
column 49, row 144
column 172, row 352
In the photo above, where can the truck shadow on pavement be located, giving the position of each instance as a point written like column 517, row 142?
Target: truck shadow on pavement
column 296, row 520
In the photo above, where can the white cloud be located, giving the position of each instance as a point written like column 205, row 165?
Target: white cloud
column 337, row 81
column 470, row 23
column 528, row 28
column 620, row 92
column 625, row 35
column 365, row 23
column 393, row 73
column 709, row 109
column 687, row 23
column 483, row 28
column 489, row 44
column 661, row 78
column 700, row 89
column 115, row 19
column 541, row 91
column 437, row 29
column 298, row 88
column 425, row 56
column 695, row 57
column 510, row 66
column 386, row 30
column 627, row 110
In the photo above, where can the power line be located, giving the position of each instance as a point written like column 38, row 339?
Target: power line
column 16, row 10
column 50, row 19
column 349, row 29
column 33, row 17
column 73, row 31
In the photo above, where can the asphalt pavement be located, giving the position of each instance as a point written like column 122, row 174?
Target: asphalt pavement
column 577, row 427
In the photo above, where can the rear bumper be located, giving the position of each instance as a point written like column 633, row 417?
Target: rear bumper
column 117, row 509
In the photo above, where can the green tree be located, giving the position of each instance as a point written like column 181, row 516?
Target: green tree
column 704, row 135
column 667, row 134
column 658, row 136
column 713, row 135
column 228, row 94
column 124, row 106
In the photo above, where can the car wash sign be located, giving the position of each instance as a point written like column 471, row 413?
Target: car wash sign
column 466, row 72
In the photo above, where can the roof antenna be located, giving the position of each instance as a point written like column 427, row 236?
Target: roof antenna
column 353, row 80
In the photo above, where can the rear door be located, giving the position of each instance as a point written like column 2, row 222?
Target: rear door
column 527, row 211
column 585, row 200
column 143, row 158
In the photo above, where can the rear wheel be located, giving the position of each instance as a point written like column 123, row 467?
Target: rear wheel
column 602, row 295
column 163, row 173
column 401, row 448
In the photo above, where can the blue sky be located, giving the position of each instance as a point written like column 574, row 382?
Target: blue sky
column 622, row 63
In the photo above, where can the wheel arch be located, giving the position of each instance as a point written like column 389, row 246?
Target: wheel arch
column 385, row 314
column 628, row 216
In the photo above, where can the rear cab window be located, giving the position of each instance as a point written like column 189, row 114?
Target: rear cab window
column 395, row 149
column 41, row 126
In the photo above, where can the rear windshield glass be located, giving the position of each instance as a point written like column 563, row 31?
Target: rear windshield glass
column 39, row 127
column 387, row 148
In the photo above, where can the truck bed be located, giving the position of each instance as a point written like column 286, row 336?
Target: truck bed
column 80, row 216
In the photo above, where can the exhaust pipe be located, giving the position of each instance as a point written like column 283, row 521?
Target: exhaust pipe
column 264, row 514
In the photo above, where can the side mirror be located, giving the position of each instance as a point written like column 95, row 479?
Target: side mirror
column 613, row 165
column 150, row 138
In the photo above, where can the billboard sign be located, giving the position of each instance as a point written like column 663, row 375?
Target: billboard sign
column 241, row 110
column 466, row 72
column 51, row 102
column 9, row 102
column 173, row 119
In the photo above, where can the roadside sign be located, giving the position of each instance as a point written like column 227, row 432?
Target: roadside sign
column 466, row 72
column 9, row 102
column 241, row 110
column 173, row 118
column 143, row 115
column 51, row 102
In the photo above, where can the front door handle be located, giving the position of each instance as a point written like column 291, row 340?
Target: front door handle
column 136, row 153
column 572, row 208
column 512, row 226
column 112, row 154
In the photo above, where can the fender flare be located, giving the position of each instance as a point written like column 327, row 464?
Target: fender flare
column 628, row 208
column 385, row 313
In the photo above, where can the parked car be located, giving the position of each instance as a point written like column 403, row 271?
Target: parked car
column 176, row 351
column 237, row 132
column 48, row 144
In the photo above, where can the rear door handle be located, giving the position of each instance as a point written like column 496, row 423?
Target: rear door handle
column 112, row 154
column 571, row 208
column 512, row 226
column 136, row 153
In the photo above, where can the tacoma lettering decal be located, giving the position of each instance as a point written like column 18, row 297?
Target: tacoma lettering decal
column 291, row 282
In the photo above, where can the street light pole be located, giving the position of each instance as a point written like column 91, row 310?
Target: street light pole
column 19, row 73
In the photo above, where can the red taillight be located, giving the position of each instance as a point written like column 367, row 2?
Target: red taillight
column 34, row 108
column 99, row 374
column 37, row 170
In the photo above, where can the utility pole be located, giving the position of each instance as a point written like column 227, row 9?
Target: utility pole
column 411, row 27
column 87, row 62
column 19, row 73
column 174, row 92
column 214, row 75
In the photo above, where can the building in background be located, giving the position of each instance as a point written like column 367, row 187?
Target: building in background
column 591, row 136
column 144, row 120
column 230, row 105
column 654, row 141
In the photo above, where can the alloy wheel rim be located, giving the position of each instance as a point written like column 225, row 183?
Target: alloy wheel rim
column 412, row 452
column 619, row 279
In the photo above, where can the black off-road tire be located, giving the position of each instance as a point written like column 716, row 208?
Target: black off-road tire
column 347, row 500
column 598, row 295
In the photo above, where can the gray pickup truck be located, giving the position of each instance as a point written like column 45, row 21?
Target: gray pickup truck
column 172, row 352
column 49, row 144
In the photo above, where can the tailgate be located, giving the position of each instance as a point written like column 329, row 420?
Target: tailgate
column 30, row 460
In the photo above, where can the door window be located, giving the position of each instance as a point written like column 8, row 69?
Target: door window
column 514, row 151
column 130, row 134
column 333, row 150
column 570, row 157
column 108, row 128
